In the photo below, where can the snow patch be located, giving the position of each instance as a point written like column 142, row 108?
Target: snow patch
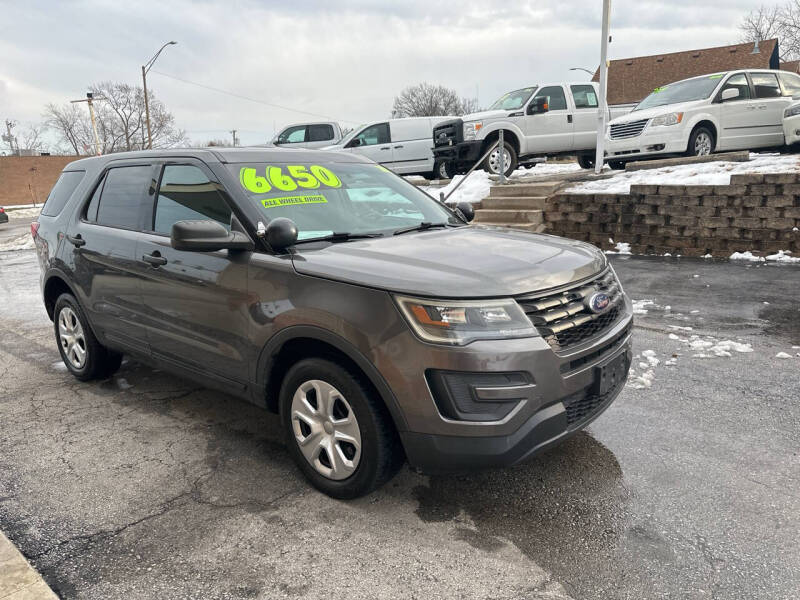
column 783, row 355
column 784, row 256
column 23, row 242
column 620, row 248
column 745, row 256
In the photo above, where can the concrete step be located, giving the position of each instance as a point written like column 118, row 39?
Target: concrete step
column 508, row 216
column 543, row 188
column 515, row 202
column 531, row 227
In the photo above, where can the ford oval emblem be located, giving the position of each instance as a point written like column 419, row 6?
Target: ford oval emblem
column 598, row 302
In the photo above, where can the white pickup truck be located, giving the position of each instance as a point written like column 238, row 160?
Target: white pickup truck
column 308, row 135
column 537, row 121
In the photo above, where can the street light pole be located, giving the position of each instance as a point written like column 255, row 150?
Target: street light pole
column 90, row 98
column 145, row 68
column 602, row 112
column 582, row 69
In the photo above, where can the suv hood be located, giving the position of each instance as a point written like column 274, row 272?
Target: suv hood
column 467, row 262
column 649, row 113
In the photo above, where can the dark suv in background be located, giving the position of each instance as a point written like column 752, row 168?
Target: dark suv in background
column 377, row 322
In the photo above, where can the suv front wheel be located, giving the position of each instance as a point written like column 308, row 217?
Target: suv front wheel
column 339, row 433
column 82, row 354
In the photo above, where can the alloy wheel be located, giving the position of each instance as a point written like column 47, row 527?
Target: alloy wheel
column 702, row 144
column 326, row 429
column 71, row 338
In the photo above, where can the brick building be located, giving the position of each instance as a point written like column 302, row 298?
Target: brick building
column 28, row 179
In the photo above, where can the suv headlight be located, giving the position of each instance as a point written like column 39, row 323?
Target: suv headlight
column 792, row 111
column 461, row 322
column 471, row 129
column 667, row 120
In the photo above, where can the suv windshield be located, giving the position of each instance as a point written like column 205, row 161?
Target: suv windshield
column 326, row 197
column 513, row 100
column 688, row 90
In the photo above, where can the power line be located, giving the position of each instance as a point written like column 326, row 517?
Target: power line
column 243, row 97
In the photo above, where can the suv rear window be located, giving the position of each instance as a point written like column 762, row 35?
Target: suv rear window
column 62, row 191
column 121, row 198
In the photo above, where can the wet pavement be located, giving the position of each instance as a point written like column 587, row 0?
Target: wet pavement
column 145, row 486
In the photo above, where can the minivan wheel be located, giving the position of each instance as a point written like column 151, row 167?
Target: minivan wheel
column 701, row 142
column 492, row 163
column 82, row 354
column 586, row 161
column 339, row 433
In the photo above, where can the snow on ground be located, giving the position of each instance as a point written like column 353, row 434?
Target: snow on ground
column 783, row 256
column 23, row 242
column 23, row 213
column 619, row 248
column 713, row 173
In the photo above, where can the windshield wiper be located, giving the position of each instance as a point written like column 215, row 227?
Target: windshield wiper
column 420, row 227
column 340, row 237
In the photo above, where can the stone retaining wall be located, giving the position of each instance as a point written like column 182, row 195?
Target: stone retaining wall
column 759, row 213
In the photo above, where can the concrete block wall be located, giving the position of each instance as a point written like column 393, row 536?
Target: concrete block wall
column 758, row 213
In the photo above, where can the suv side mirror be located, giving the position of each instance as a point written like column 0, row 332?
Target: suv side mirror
column 281, row 233
column 538, row 106
column 730, row 94
column 466, row 210
column 207, row 236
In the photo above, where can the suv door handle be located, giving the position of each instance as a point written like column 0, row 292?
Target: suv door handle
column 396, row 147
column 76, row 241
column 154, row 259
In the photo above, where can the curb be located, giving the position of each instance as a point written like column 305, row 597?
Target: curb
column 18, row 580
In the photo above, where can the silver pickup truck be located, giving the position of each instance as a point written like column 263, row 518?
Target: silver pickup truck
column 537, row 121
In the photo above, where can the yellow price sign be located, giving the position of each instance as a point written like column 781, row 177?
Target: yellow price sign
column 310, row 177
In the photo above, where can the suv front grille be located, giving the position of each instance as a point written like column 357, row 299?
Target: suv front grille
column 621, row 131
column 563, row 319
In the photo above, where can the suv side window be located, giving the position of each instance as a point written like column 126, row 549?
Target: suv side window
column 320, row 133
column 791, row 84
column 293, row 135
column 584, row 96
column 61, row 192
column 737, row 82
column 91, row 211
column 186, row 194
column 766, row 85
column 375, row 134
column 556, row 98
column 121, row 198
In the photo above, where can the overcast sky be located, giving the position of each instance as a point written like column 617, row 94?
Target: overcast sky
column 344, row 59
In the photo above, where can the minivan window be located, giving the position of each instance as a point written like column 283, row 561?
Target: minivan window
column 121, row 198
column 61, row 192
column 584, row 96
column 327, row 197
column 320, row 133
column 376, row 134
column 513, row 100
column 687, row 90
column 791, row 83
column 766, row 85
column 738, row 82
column 186, row 194
column 555, row 97
column 293, row 135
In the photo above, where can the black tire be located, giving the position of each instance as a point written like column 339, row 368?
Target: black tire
column 381, row 453
column 586, row 161
column 451, row 170
column 510, row 168
column 696, row 146
column 439, row 170
column 617, row 165
column 99, row 362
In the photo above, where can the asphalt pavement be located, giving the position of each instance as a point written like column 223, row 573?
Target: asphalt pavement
column 147, row 486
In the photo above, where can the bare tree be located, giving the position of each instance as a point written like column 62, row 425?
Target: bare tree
column 428, row 100
column 30, row 138
column 779, row 21
column 790, row 30
column 69, row 122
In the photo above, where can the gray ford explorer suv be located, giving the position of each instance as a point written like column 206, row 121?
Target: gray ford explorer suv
column 379, row 324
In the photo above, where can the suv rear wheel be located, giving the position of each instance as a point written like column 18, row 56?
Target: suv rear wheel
column 339, row 433
column 82, row 354
column 492, row 163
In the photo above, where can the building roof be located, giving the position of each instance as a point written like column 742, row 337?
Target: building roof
column 630, row 80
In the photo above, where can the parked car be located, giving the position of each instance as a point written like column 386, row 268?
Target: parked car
column 308, row 135
column 3, row 215
column 376, row 321
column 401, row 145
column 734, row 110
column 538, row 121
column 791, row 123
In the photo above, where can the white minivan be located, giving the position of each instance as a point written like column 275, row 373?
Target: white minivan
column 402, row 145
column 735, row 110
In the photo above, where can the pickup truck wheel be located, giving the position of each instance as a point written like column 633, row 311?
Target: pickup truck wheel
column 492, row 163
column 586, row 161
column 701, row 142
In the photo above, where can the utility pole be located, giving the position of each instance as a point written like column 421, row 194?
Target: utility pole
column 145, row 68
column 602, row 111
column 9, row 138
column 233, row 133
column 90, row 101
